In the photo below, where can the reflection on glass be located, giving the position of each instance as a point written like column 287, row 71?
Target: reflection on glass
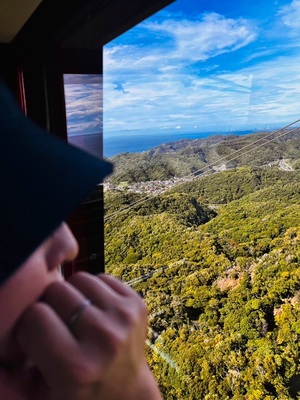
column 198, row 68
column 201, row 119
column 83, row 97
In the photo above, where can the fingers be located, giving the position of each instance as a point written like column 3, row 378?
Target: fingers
column 48, row 343
column 117, row 285
column 108, row 335
column 69, row 366
column 87, row 322
column 64, row 299
column 107, row 294
column 121, row 305
column 105, row 291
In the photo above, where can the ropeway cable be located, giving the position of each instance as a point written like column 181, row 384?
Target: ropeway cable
column 206, row 167
column 193, row 175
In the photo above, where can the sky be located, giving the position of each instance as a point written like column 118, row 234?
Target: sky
column 197, row 65
column 84, row 104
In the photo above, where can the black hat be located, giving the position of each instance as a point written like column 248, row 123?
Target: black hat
column 42, row 180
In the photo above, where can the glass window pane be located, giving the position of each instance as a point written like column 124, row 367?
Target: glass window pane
column 201, row 119
column 83, row 99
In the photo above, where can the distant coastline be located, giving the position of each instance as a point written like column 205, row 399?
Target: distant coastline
column 138, row 143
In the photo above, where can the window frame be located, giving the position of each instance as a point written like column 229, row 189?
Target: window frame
column 68, row 37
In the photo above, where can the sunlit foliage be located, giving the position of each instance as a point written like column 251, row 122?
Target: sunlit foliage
column 218, row 261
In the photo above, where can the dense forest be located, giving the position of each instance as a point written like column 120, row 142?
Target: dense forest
column 217, row 261
column 186, row 156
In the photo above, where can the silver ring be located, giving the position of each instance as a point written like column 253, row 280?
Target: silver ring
column 79, row 311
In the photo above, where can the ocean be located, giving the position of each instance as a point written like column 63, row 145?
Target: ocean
column 126, row 143
column 138, row 143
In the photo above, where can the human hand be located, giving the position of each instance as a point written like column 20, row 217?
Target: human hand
column 101, row 355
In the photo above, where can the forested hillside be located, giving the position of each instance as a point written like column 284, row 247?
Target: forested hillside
column 218, row 262
column 187, row 156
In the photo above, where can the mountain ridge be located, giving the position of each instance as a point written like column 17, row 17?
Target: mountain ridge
column 195, row 156
column 216, row 260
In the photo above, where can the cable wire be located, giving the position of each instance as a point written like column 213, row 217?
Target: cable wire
column 199, row 173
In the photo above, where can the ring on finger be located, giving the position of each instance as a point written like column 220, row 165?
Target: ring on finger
column 74, row 318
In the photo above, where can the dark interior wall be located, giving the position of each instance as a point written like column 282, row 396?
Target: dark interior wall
column 83, row 23
column 66, row 37
column 8, row 68
column 5, row 65
column 58, row 29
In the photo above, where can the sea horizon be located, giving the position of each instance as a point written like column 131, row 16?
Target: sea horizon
column 138, row 143
column 114, row 145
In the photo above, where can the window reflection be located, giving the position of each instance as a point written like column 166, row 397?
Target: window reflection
column 201, row 120
column 83, row 99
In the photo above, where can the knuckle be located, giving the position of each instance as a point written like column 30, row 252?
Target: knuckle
column 53, row 289
column 83, row 372
column 141, row 310
column 34, row 310
column 132, row 316
column 128, row 316
column 105, row 330
column 77, row 277
column 34, row 315
column 117, row 340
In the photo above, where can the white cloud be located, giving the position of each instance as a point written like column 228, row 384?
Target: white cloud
column 157, row 81
column 212, row 35
column 83, row 104
column 258, row 54
column 180, row 116
column 168, row 68
column 291, row 14
column 192, row 41
column 268, row 92
column 164, row 90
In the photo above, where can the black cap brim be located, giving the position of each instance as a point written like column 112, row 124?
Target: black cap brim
column 43, row 179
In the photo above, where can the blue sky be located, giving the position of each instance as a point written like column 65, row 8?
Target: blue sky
column 83, row 97
column 210, row 65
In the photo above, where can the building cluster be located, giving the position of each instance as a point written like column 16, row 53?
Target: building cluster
column 146, row 187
